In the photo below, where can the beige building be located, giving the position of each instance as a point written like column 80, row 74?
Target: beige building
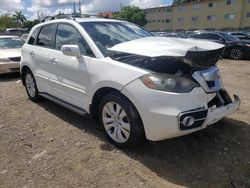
column 200, row 14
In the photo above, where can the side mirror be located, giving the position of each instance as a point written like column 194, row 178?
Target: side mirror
column 71, row 50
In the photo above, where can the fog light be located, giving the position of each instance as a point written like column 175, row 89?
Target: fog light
column 188, row 121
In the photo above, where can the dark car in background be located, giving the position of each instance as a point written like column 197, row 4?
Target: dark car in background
column 234, row 48
column 240, row 35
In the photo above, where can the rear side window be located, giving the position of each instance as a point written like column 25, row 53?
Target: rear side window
column 68, row 34
column 33, row 36
column 46, row 36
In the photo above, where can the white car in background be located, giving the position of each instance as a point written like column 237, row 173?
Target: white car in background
column 10, row 53
column 138, row 86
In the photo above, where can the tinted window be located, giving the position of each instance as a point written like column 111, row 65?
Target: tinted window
column 32, row 38
column 207, row 36
column 67, row 34
column 46, row 36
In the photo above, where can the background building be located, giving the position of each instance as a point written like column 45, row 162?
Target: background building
column 200, row 14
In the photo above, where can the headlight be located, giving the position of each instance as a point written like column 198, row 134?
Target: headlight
column 248, row 45
column 169, row 83
column 3, row 59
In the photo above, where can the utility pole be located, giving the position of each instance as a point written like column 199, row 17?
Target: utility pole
column 74, row 5
column 80, row 7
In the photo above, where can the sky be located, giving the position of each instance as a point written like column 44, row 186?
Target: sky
column 31, row 8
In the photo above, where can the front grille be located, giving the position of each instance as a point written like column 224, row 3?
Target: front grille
column 15, row 59
column 209, row 79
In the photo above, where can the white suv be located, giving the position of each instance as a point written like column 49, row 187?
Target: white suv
column 138, row 86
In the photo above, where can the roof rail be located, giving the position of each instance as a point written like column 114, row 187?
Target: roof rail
column 68, row 16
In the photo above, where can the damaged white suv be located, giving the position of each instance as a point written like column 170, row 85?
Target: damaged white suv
column 138, row 86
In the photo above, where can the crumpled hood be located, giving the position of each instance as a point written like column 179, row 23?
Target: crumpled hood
column 163, row 46
column 9, row 53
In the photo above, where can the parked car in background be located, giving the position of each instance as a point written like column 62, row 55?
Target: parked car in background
column 234, row 48
column 137, row 85
column 240, row 35
column 10, row 53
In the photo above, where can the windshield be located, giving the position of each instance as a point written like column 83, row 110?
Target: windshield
column 108, row 34
column 229, row 37
column 11, row 43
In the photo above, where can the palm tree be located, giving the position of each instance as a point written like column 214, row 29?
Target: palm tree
column 19, row 17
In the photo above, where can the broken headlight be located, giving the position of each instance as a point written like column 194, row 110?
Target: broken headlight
column 169, row 83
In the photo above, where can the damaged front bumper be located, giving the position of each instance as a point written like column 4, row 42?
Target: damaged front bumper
column 201, row 118
column 216, row 114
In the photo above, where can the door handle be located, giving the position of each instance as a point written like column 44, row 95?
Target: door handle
column 54, row 61
column 32, row 53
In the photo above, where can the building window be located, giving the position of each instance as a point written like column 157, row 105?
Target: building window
column 229, row 16
column 230, row 2
column 180, row 20
column 153, row 21
column 169, row 9
column 248, row 15
column 211, row 18
column 159, row 20
column 248, row 1
column 159, row 10
column 168, row 20
column 195, row 18
column 195, row 7
column 181, row 8
column 211, row 4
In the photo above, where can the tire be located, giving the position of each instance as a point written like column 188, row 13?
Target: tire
column 236, row 53
column 120, row 121
column 30, row 86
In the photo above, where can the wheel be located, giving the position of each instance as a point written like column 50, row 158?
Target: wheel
column 120, row 121
column 30, row 86
column 236, row 53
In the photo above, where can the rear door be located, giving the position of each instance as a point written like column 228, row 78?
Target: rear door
column 72, row 79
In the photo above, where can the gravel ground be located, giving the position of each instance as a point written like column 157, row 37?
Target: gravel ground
column 45, row 145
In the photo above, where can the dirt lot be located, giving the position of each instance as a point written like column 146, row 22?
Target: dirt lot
column 45, row 145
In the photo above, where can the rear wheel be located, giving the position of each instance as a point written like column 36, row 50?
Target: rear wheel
column 236, row 53
column 120, row 121
column 30, row 86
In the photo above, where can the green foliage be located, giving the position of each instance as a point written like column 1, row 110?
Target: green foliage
column 7, row 22
column 132, row 14
column 19, row 18
column 29, row 24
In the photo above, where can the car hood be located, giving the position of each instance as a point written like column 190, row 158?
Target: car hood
column 9, row 53
column 195, row 53
column 163, row 46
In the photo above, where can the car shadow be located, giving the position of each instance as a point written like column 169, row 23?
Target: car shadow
column 218, row 156
column 9, row 77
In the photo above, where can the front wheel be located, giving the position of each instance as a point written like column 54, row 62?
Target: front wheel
column 30, row 86
column 120, row 121
column 236, row 53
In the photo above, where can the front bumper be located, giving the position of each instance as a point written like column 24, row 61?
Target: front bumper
column 9, row 67
column 161, row 111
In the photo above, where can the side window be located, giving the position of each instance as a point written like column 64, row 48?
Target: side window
column 46, row 36
column 33, row 36
column 197, row 36
column 67, row 34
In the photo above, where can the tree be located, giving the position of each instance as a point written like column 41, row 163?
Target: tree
column 6, row 22
column 29, row 24
column 132, row 14
column 19, row 17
